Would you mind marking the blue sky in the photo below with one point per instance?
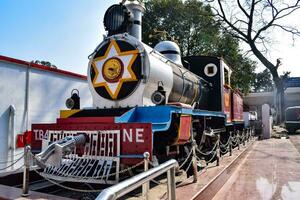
(65, 32)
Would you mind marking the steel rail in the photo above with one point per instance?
(131, 184)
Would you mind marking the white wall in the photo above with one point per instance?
(48, 92)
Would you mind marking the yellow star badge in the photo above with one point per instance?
(114, 68)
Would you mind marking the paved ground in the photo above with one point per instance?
(186, 189)
(295, 139)
(270, 171)
(191, 190)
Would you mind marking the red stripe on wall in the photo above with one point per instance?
(42, 67)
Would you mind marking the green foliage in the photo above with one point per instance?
(243, 68)
(189, 22)
(191, 25)
(263, 82)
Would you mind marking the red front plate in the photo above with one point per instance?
(135, 138)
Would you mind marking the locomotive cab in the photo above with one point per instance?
(222, 97)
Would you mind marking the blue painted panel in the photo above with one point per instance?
(161, 116)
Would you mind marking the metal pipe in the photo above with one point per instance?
(244, 136)
(26, 171)
(55, 151)
(11, 132)
(131, 184)
(137, 9)
(218, 151)
(171, 184)
(195, 171)
(230, 143)
(26, 103)
(238, 138)
(145, 189)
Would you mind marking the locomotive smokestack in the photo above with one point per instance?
(137, 9)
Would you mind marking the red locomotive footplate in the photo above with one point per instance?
(134, 138)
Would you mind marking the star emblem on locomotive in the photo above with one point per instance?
(114, 68)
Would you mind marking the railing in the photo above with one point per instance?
(131, 184)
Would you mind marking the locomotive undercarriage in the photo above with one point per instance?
(210, 139)
(205, 134)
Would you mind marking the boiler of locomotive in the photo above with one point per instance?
(125, 72)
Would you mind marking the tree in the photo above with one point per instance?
(243, 68)
(263, 82)
(251, 22)
(189, 22)
(45, 63)
(192, 25)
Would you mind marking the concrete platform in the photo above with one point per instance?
(7, 192)
(295, 139)
(185, 188)
(271, 170)
(213, 178)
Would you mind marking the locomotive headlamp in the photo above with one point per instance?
(116, 19)
(70, 103)
(159, 96)
(74, 101)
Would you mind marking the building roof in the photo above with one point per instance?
(292, 94)
(41, 67)
(292, 82)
